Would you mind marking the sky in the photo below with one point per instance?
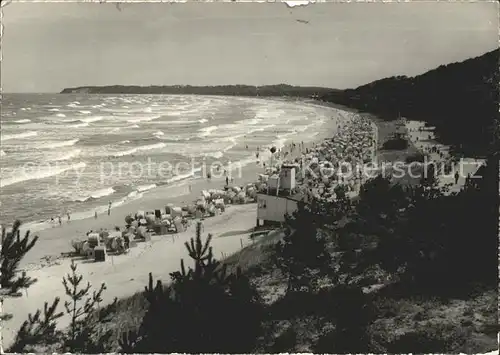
(49, 46)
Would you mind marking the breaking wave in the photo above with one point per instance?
(40, 173)
(7, 137)
(138, 149)
(97, 194)
(59, 144)
(67, 156)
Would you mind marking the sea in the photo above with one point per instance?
(77, 153)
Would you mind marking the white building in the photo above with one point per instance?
(287, 176)
(272, 208)
(278, 200)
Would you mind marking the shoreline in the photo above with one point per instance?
(127, 274)
(56, 239)
(86, 211)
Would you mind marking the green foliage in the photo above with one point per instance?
(302, 254)
(13, 250)
(82, 335)
(204, 309)
(397, 143)
(459, 99)
(38, 329)
(78, 338)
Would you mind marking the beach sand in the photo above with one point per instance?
(125, 275)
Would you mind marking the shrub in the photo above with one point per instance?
(203, 310)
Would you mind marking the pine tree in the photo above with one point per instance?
(80, 336)
(13, 250)
(38, 329)
(204, 309)
(302, 255)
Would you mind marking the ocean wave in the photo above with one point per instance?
(183, 176)
(59, 144)
(134, 194)
(216, 155)
(132, 126)
(138, 149)
(25, 120)
(91, 119)
(250, 121)
(158, 133)
(67, 156)
(96, 194)
(178, 122)
(143, 119)
(2, 153)
(169, 138)
(203, 120)
(42, 173)
(60, 115)
(124, 142)
(143, 188)
(7, 137)
(54, 110)
(78, 125)
(85, 112)
(206, 131)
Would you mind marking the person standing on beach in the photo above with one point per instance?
(227, 181)
(69, 217)
(95, 214)
(109, 208)
(59, 219)
(456, 177)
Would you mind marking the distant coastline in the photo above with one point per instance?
(226, 90)
(459, 99)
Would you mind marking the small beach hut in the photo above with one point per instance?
(139, 215)
(176, 212)
(150, 218)
(93, 239)
(179, 226)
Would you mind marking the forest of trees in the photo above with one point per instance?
(459, 99)
(426, 243)
(225, 90)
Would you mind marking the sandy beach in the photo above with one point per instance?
(126, 274)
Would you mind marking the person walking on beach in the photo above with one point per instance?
(59, 219)
(227, 181)
(109, 208)
(69, 216)
(456, 178)
(95, 214)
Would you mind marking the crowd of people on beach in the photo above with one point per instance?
(321, 164)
